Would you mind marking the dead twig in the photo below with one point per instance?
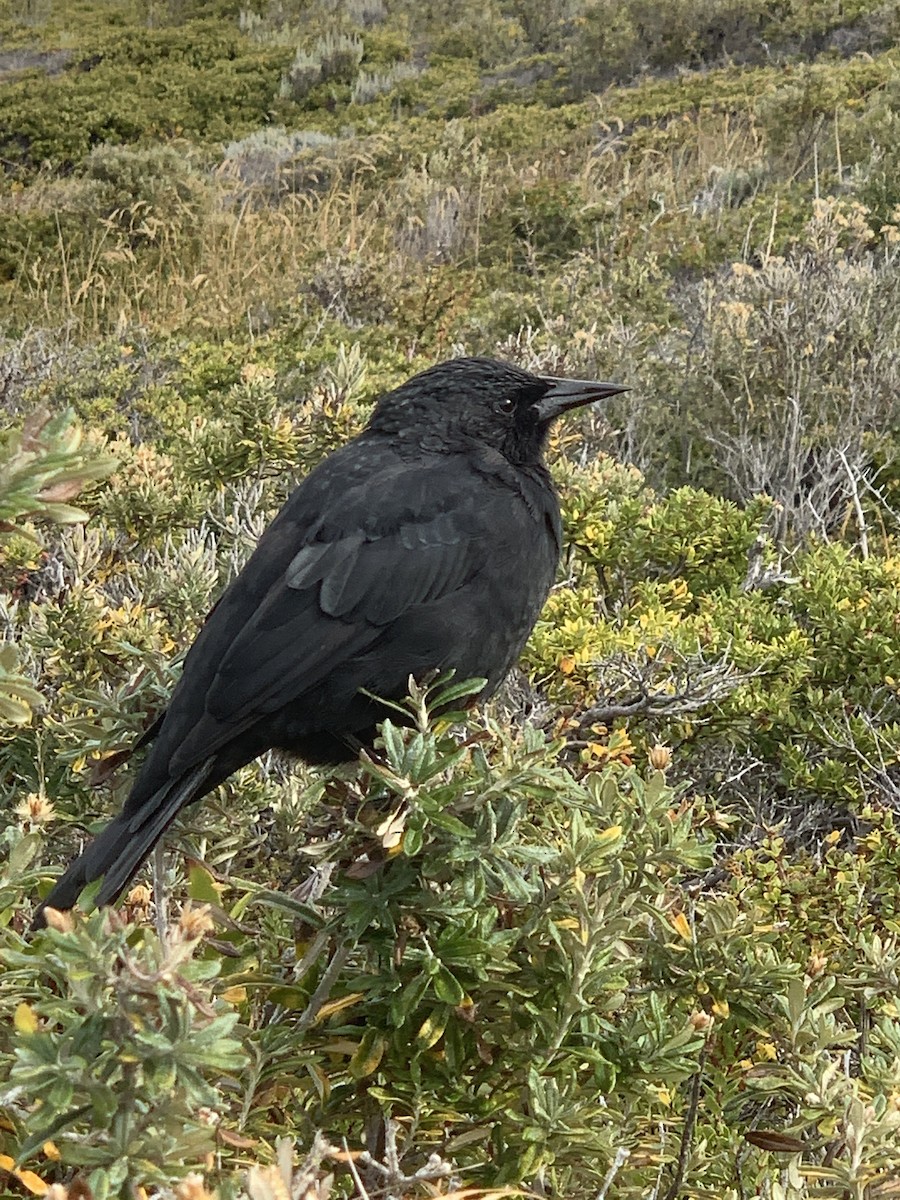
(668, 684)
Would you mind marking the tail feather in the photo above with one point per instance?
(122, 846)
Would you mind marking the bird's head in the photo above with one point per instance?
(483, 400)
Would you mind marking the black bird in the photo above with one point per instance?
(429, 542)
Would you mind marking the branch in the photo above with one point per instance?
(669, 685)
(857, 507)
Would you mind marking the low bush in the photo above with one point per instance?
(198, 81)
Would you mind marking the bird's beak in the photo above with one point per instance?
(563, 394)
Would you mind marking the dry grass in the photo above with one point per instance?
(243, 254)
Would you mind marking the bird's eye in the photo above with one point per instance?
(507, 405)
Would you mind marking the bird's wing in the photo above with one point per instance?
(336, 568)
(333, 601)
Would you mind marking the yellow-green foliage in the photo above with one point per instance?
(635, 936)
(201, 80)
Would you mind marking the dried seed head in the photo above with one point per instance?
(35, 809)
(139, 896)
(136, 906)
(816, 964)
(195, 922)
(62, 922)
(659, 757)
(192, 1187)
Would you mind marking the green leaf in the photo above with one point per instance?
(447, 987)
(368, 1054)
(202, 885)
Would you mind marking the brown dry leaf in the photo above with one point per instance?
(33, 428)
(79, 1189)
(363, 868)
(104, 767)
(58, 493)
(229, 1138)
(771, 1139)
(343, 1156)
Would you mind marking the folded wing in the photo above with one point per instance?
(317, 594)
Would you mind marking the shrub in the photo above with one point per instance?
(273, 161)
(197, 81)
(42, 468)
(790, 389)
(616, 41)
(121, 1054)
(418, 1003)
(512, 951)
(370, 84)
(334, 58)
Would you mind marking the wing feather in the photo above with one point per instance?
(298, 636)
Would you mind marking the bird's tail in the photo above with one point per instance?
(122, 846)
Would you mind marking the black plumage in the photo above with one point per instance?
(429, 542)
